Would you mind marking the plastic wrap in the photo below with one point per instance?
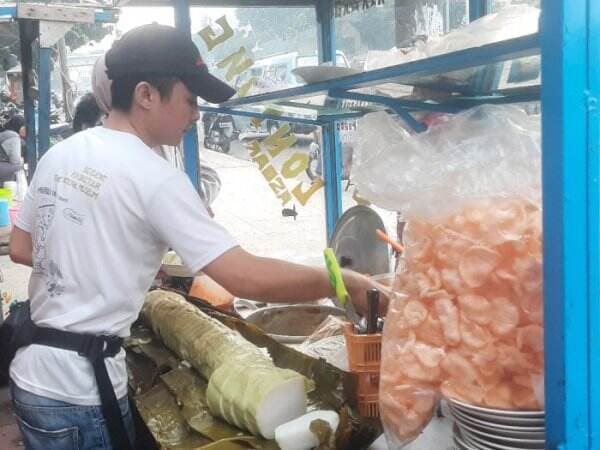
(327, 342)
(510, 22)
(483, 152)
(469, 322)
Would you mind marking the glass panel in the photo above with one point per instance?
(263, 164)
(256, 49)
(397, 24)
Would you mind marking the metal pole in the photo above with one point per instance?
(332, 148)
(477, 9)
(570, 143)
(191, 156)
(332, 170)
(28, 33)
(44, 100)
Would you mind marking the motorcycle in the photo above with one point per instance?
(219, 132)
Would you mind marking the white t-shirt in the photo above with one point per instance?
(102, 209)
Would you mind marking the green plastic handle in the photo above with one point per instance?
(335, 276)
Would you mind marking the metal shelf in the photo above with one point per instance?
(409, 74)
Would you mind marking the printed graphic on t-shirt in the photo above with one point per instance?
(45, 216)
(54, 280)
(73, 216)
(88, 181)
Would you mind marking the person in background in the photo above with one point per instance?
(87, 113)
(210, 183)
(11, 160)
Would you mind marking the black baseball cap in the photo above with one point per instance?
(160, 50)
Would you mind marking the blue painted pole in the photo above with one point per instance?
(44, 100)
(332, 170)
(593, 106)
(190, 140)
(570, 202)
(477, 9)
(27, 34)
(332, 151)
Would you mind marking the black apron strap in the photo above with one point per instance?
(96, 349)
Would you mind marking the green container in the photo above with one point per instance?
(6, 194)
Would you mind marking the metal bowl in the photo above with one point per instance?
(292, 324)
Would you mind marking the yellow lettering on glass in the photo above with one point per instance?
(211, 39)
(244, 88)
(262, 160)
(279, 142)
(285, 197)
(303, 196)
(269, 173)
(253, 148)
(237, 62)
(295, 165)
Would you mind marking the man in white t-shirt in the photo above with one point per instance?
(100, 213)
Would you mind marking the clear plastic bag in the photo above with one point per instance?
(328, 342)
(468, 324)
(483, 152)
(510, 22)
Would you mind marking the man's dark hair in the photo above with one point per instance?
(122, 89)
(14, 123)
(87, 113)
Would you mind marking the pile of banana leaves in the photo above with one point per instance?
(170, 395)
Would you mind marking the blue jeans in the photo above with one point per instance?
(48, 424)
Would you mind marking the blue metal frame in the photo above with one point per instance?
(190, 140)
(332, 147)
(570, 177)
(472, 57)
(332, 171)
(44, 100)
(394, 104)
(593, 216)
(106, 16)
(477, 9)
(28, 33)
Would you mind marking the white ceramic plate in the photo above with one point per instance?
(480, 444)
(531, 432)
(496, 412)
(464, 443)
(503, 420)
(314, 74)
(492, 440)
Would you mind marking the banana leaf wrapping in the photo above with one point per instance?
(244, 385)
(333, 389)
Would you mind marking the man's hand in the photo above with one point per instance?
(358, 285)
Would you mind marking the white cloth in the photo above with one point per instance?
(102, 209)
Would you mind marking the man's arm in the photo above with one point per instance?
(265, 279)
(20, 247)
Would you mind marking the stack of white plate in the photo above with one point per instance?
(478, 428)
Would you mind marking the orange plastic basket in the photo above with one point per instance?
(368, 383)
(368, 405)
(364, 350)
